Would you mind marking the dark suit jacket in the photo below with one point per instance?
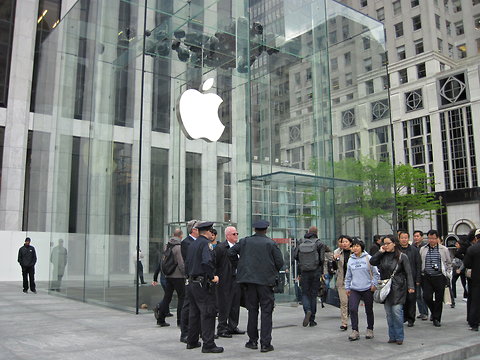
(223, 266)
(472, 261)
(260, 260)
(184, 246)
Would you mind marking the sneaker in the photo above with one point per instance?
(419, 316)
(354, 336)
(465, 299)
(424, 317)
(369, 334)
(306, 319)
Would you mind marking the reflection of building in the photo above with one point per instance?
(101, 160)
(433, 49)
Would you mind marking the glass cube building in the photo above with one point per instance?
(119, 161)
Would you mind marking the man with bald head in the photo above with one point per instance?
(228, 290)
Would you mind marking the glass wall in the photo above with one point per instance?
(125, 162)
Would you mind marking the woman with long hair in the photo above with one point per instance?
(341, 255)
(392, 263)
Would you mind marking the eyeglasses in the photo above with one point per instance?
(387, 243)
(234, 233)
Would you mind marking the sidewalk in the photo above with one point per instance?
(50, 327)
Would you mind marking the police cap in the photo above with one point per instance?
(204, 225)
(261, 224)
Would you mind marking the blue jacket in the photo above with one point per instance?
(361, 275)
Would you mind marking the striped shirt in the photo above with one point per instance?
(433, 261)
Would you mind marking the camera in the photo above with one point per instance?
(435, 267)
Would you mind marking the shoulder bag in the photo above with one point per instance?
(384, 286)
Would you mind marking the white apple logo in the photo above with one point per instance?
(198, 113)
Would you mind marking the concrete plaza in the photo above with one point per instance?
(44, 326)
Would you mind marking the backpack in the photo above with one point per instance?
(169, 264)
(308, 255)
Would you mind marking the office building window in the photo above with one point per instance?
(348, 118)
(453, 89)
(421, 70)
(437, 21)
(450, 50)
(457, 6)
(398, 29)
(476, 21)
(367, 63)
(403, 76)
(440, 44)
(335, 84)
(448, 25)
(397, 7)
(349, 146)
(419, 46)
(462, 51)
(417, 22)
(385, 82)
(401, 52)
(379, 143)
(363, 3)
(478, 46)
(345, 31)
(369, 87)
(414, 100)
(348, 79)
(459, 30)
(7, 20)
(380, 109)
(332, 37)
(333, 64)
(366, 43)
(348, 58)
(381, 14)
(414, 3)
(296, 158)
(417, 142)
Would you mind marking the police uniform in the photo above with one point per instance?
(200, 268)
(259, 262)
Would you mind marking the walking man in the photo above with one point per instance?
(27, 258)
(310, 255)
(259, 261)
(436, 271)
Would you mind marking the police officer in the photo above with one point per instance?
(259, 261)
(200, 269)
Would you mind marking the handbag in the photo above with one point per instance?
(447, 299)
(383, 288)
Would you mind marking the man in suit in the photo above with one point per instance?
(259, 261)
(228, 290)
(471, 261)
(185, 244)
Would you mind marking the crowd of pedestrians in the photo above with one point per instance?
(214, 279)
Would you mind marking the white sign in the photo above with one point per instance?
(198, 113)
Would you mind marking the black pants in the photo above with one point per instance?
(228, 300)
(185, 312)
(140, 271)
(409, 308)
(310, 284)
(177, 284)
(463, 279)
(28, 273)
(434, 285)
(473, 305)
(202, 315)
(259, 296)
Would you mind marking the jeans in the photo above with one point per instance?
(422, 307)
(310, 284)
(354, 301)
(395, 321)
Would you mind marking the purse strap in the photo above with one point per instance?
(369, 268)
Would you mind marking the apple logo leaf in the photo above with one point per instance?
(207, 85)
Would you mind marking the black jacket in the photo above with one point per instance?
(402, 281)
(184, 246)
(260, 260)
(224, 268)
(415, 262)
(471, 261)
(27, 256)
(200, 259)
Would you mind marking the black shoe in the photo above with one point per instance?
(224, 335)
(436, 323)
(143, 283)
(473, 328)
(34, 291)
(452, 305)
(343, 327)
(194, 346)
(156, 312)
(252, 345)
(266, 348)
(162, 323)
(237, 331)
(306, 319)
(25, 291)
(410, 324)
(169, 315)
(312, 323)
(183, 339)
(214, 350)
